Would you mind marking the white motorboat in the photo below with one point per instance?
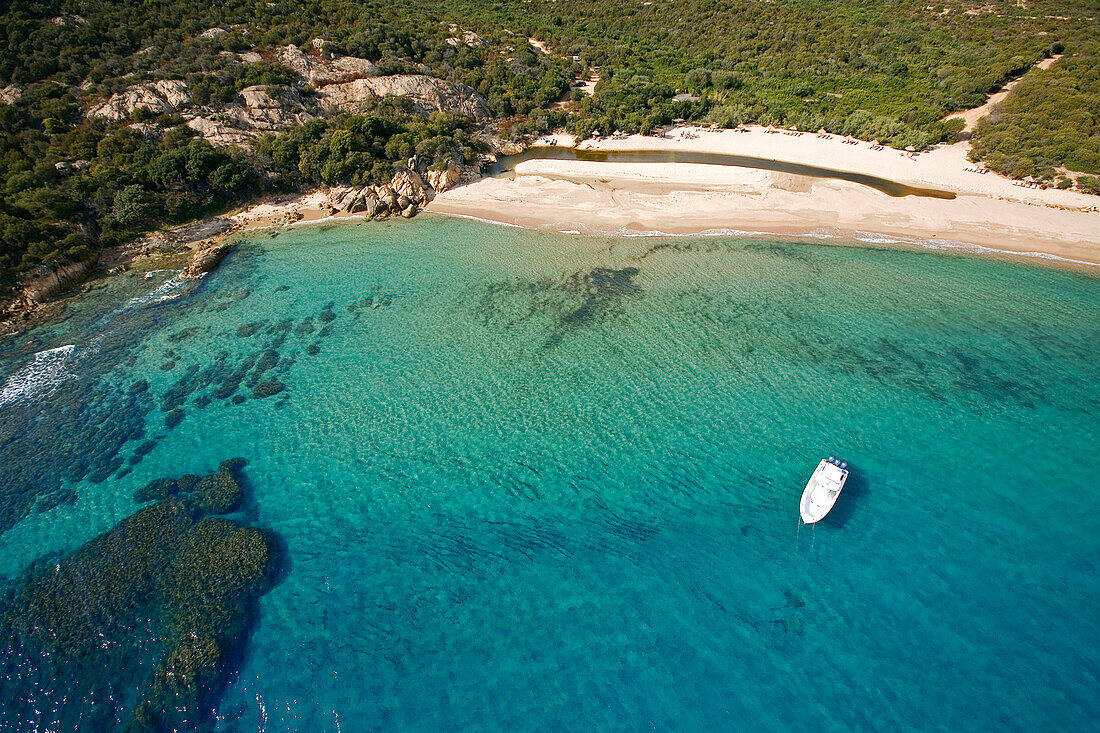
(822, 489)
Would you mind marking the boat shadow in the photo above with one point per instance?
(848, 503)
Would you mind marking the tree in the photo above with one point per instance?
(134, 205)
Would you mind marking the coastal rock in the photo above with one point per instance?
(325, 67)
(500, 146)
(410, 185)
(205, 260)
(452, 176)
(343, 199)
(406, 193)
(167, 95)
(44, 283)
(427, 94)
(358, 200)
(372, 205)
(388, 196)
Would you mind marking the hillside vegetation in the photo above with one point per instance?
(1050, 121)
(888, 71)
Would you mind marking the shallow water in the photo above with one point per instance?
(531, 481)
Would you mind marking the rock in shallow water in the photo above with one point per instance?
(267, 389)
(140, 624)
(218, 493)
(173, 418)
(155, 490)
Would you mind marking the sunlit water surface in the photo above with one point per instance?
(539, 482)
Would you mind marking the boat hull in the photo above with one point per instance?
(822, 491)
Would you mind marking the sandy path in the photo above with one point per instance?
(971, 116)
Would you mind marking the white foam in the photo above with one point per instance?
(475, 218)
(841, 236)
(43, 375)
(168, 290)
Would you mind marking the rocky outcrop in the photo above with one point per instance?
(452, 176)
(468, 38)
(323, 66)
(405, 194)
(409, 187)
(426, 93)
(43, 284)
(10, 94)
(221, 134)
(499, 146)
(206, 259)
(167, 95)
(262, 109)
(149, 130)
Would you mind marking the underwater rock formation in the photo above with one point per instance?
(267, 389)
(217, 493)
(139, 628)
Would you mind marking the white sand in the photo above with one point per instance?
(989, 211)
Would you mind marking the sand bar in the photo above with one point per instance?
(989, 211)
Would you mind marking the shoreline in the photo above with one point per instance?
(840, 238)
(917, 241)
(991, 215)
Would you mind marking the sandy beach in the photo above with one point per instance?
(989, 212)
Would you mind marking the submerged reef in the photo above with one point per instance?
(140, 628)
(553, 309)
(218, 493)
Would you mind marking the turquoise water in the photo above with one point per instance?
(538, 482)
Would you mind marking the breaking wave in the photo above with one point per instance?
(48, 370)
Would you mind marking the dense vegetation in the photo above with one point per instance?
(886, 71)
(1050, 121)
(877, 70)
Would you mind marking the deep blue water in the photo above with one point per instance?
(539, 482)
